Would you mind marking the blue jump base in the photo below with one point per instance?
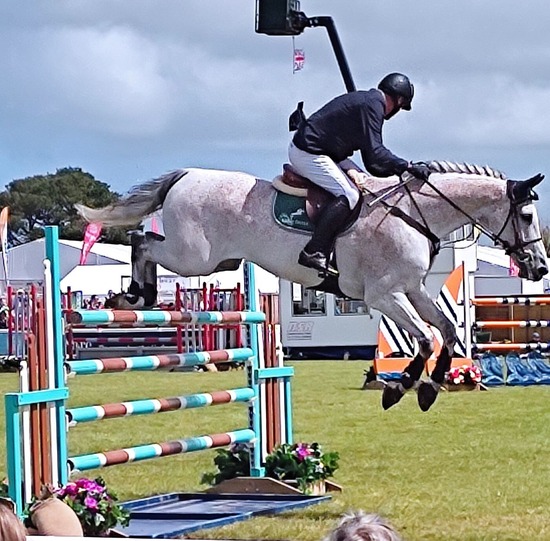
(170, 515)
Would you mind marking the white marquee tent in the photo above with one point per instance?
(108, 267)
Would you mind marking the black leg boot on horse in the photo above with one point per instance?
(316, 254)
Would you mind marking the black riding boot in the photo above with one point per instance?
(317, 251)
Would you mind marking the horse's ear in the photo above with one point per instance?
(522, 190)
(534, 181)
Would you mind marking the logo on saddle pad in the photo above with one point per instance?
(290, 211)
(298, 201)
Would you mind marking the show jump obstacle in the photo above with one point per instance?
(487, 326)
(38, 420)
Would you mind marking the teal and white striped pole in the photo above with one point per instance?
(255, 408)
(154, 450)
(59, 447)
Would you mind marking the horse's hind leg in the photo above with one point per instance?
(150, 291)
(144, 271)
(430, 312)
(399, 308)
(142, 292)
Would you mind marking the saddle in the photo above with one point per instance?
(292, 183)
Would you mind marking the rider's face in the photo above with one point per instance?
(392, 107)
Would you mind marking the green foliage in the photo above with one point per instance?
(302, 462)
(306, 463)
(231, 463)
(49, 199)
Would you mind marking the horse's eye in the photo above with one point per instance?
(527, 218)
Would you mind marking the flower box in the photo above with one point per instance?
(303, 465)
(268, 485)
(452, 387)
(468, 376)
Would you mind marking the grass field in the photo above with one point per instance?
(476, 467)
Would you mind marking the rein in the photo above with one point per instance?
(424, 229)
(496, 238)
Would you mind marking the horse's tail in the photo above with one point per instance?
(140, 201)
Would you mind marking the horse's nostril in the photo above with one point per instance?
(543, 269)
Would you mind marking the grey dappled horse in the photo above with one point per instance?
(213, 219)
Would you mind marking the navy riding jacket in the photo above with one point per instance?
(348, 123)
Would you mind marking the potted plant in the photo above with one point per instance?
(305, 465)
(465, 376)
(91, 501)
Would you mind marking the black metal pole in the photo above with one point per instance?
(328, 23)
(299, 21)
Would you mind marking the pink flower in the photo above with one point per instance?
(90, 503)
(89, 485)
(302, 451)
(70, 490)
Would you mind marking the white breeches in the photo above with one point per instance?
(324, 172)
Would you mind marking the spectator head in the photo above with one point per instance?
(20, 291)
(359, 526)
(11, 528)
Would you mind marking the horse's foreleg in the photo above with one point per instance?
(430, 312)
(399, 308)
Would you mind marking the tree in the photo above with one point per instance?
(49, 199)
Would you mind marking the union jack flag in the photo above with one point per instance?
(299, 59)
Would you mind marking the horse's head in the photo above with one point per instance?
(521, 235)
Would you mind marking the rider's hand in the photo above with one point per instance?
(359, 178)
(419, 170)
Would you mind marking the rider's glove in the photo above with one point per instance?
(419, 170)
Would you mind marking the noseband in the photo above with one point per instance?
(513, 215)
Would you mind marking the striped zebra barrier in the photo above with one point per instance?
(37, 419)
(396, 346)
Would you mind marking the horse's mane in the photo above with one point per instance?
(442, 166)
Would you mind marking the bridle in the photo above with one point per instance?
(513, 216)
(526, 196)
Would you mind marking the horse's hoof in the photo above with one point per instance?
(125, 301)
(392, 394)
(427, 393)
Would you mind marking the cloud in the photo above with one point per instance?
(130, 88)
(105, 80)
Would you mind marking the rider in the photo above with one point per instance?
(321, 145)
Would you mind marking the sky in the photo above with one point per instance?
(130, 89)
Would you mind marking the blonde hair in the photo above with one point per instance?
(11, 528)
(359, 526)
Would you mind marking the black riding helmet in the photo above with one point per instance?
(398, 85)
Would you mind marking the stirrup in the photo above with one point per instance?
(317, 261)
